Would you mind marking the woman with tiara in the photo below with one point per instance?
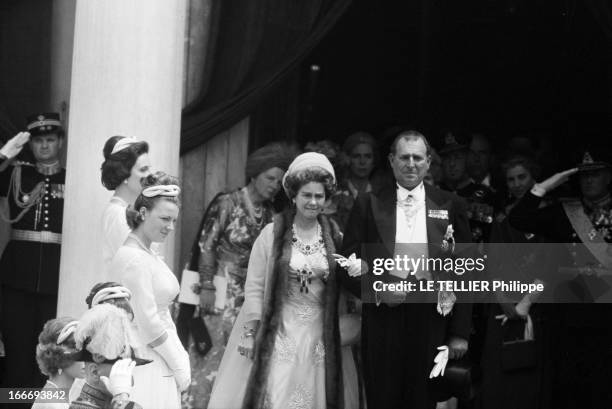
(57, 355)
(126, 163)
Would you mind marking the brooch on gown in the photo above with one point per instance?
(304, 277)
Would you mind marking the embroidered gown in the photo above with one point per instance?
(297, 371)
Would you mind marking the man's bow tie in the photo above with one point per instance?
(408, 201)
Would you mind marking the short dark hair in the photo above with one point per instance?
(132, 214)
(410, 135)
(118, 166)
(122, 303)
(49, 355)
(521, 160)
(295, 181)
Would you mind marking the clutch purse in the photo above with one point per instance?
(518, 354)
(200, 334)
(517, 350)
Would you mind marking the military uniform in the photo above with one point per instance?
(480, 198)
(29, 266)
(481, 201)
(583, 343)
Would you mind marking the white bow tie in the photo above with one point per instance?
(410, 206)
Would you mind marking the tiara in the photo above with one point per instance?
(161, 190)
(110, 293)
(123, 143)
(66, 331)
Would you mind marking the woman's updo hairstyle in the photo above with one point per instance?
(295, 181)
(118, 166)
(132, 214)
(123, 303)
(50, 355)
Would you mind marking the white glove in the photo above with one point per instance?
(540, 189)
(14, 145)
(120, 379)
(440, 362)
(177, 360)
(354, 266)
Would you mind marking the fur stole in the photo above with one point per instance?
(266, 335)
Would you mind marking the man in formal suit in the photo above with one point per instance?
(583, 283)
(402, 331)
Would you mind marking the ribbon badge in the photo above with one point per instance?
(438, 214)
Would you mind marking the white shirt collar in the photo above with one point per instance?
(418, 192)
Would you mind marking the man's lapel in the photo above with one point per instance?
(384, 211)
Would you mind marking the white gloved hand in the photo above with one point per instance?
(440, 362)
(14, 145)
(120, 378)
(177, 360)
(354, 266)
(553, 182)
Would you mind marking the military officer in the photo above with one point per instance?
(584, 226)
(29, 267)
(456, 179)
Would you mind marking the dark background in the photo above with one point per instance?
(539, 68)
(536, 68)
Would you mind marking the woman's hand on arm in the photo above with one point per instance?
(246, 346)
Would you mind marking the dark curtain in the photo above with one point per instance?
(602, 11)
(253, 45)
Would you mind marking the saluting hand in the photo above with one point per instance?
(556, 180)
(15, 145)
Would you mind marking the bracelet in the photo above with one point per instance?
(248, 332)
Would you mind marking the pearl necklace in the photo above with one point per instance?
(140, 243)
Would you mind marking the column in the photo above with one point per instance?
(127, 72)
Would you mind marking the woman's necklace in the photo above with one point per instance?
(140, 243)
(256, 212)
(307, 248)
(52, 384)
(304, 275)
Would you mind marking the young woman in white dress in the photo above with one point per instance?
(153, 287)
(126, 162)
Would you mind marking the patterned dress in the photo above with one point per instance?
(225, 246)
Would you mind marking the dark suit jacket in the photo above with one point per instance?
(399, 342)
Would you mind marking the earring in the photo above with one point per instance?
(59, 371)
(125, 181)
